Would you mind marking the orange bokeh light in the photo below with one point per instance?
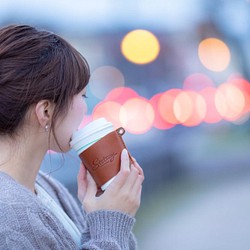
(189, 108)
(121, 95)
(244, 86)
(229, 101)
(214, 54)
(138, 117)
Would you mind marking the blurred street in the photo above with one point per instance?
(213, 215)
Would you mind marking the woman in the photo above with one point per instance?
(42, 88)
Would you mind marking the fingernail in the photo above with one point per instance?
(124, 152)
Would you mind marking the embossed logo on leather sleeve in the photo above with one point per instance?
(100, 162)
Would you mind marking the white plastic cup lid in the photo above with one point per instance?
(91, 133)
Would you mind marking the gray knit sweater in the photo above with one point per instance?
(25, 223)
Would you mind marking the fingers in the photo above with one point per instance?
(124, 170)
(137, 187)
(81, 174)
(128, 174)
(81, 182)
(91, 187)
(135, 163)
(123, 194)
(132, 177)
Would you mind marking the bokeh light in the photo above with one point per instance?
(229, 101)
(86, 119)
(197, 81)
(159, 122)
(111, 111)
(139, 115)
(121, 94)
(212, 115)
(140, 46)
(182, 107)
(244, 86)
(214, 54)
(189, 108)
(166, 104)
(104, 79)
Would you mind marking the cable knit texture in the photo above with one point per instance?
(25, 223)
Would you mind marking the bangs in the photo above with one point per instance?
(74, 73)
(82, 72)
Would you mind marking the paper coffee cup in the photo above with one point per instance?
(91, 133)
(99, 147)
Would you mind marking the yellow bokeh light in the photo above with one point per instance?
(140, 46)
(214, 54)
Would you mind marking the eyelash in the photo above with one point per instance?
(84, 96)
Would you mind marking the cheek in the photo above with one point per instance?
(80, 111)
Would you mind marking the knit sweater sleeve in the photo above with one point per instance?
(109, 230)
(101, 230)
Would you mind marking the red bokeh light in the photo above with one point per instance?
(159, 122)
(165, 105)
(229, 101)
(212, 115)
(121, 95)
(189, 108)
(110, 110)
(197, 81)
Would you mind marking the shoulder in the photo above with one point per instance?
(12, 192)
(24, 221)
(16, 202)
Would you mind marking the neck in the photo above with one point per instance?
(21, 160)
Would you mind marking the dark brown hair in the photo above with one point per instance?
(36, 65)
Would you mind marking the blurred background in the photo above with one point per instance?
(175, 75)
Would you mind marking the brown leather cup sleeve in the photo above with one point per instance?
(103, 159)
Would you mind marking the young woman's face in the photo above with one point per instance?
(66, 125)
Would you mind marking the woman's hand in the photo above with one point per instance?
(123, 194)
(82, 182)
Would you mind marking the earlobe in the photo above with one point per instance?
(44, 111)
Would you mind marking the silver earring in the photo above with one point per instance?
(46, 128)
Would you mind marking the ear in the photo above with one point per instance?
(44, 110)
